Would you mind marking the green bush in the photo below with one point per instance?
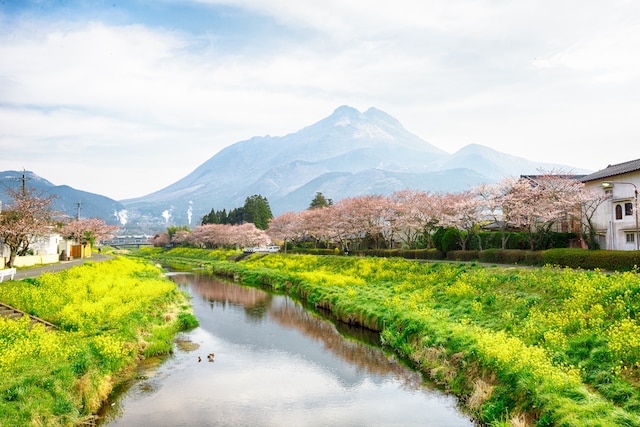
(511, 256)
(519, 240)
(450, 240)
(434, 254)
(463, 255)
(313, 251)
(600, 259)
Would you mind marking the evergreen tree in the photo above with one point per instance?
(319, 201)
(210, 218)
(257, 210)
(236, 217)
(215, 217)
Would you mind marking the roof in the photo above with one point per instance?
(613, 170)
(565, 176)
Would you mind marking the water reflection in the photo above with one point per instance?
(276, 364)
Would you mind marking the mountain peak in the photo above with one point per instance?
(345, 115)
(380, 116)
(345, 110)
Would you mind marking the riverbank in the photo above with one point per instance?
(109, 316)
(518, 346)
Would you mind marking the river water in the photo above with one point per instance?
(275, 364)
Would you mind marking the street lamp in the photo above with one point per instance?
(609, 184)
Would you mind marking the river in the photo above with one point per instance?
(275, 364)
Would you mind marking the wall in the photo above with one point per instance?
(31, 260)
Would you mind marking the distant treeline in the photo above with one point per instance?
(256, 210)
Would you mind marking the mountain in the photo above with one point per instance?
(346, 154)
(65, 198)
(493, 164)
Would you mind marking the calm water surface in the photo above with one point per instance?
(275, 364)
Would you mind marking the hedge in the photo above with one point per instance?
(589, 260)
(565, 257)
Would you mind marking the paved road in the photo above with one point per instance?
(62, 265)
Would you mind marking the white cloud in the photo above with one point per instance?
(539, 79)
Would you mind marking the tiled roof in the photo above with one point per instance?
(613, 170)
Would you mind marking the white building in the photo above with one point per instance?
(616, 220)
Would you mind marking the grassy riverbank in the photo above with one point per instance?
(518, 346)
(109, 315)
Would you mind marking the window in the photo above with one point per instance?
(628, 209)
(631, 237)
(618, 211)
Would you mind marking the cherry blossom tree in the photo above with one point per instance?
(496, 199)
(354, 218)
(339, 224)
(317, 224)
(285, 227)
(559, 198)
(418, 214)
(248, 235)
(87, 230)
(27, 217)
(536, 203)
(463, 210)
(209, 235)
(226, 235)
(383, 220)
(180, 237)
(160, 239)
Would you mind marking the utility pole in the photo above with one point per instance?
(24, 183)
(78, 214)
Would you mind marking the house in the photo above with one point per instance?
(43, 249)
(616, 220)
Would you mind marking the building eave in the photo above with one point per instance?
(613, 170)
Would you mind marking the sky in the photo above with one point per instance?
(123, 98)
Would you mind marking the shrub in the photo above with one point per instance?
(600, 259)
(450, 240)
(511, 256)
(463, 255)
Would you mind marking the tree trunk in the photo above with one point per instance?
(12, 257)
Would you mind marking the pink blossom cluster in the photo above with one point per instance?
(408, 216)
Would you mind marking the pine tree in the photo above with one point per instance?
(257, 210)
(319, 201)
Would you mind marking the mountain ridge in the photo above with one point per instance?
(345, 154)
(65, 199)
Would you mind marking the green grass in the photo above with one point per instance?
(556, 347)
(108, 314)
